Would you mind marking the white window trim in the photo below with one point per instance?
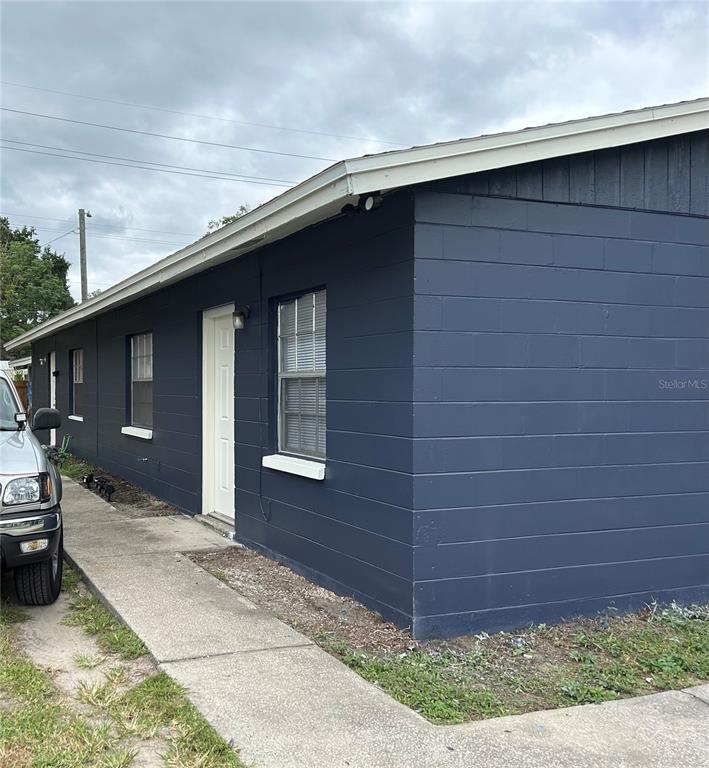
(294, 465)
(281, 376)
(74, 382)
(141, 432)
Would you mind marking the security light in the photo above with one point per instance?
(370, 202)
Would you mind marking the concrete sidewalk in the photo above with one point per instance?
(287, 704)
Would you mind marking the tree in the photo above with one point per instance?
(33, 284)
(217, 223)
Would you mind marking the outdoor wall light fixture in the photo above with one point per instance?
(365, 204)
(370, 202)
(240, 317)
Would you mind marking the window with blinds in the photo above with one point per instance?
(301, 375)
(76, 406)
(141, 361)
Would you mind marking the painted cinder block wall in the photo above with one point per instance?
(499, 450)
(558, 468)
(353, 531)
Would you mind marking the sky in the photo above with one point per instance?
(304, 83)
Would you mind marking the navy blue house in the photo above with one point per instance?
(467, 383)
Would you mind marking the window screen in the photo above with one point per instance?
(301, 375)
(141, 357)
(76, 406)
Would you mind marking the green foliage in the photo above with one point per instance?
(159, 702)
(33, 284)
(215, 224)
(584, 662)
(112, 636)
(433, 685)
(75, 468)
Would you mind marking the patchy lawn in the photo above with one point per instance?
(475, 677)
(127, 497)
(105, 706)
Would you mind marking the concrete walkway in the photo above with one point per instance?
(288, 704)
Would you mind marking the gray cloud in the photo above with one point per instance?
(412, 73)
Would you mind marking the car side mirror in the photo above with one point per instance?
(46, 418)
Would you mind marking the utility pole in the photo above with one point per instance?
(82, 253)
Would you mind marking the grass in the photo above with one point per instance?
(433, 684)
(73, 467)
(87, 612)
(581, 662)
(223, 576)
(158, 703)
(39, 728)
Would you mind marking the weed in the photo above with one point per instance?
(429, 684)
(10, 614)
(84, 661)
(223, 576)
(73, 467)
(112, 636)
(159, 702)
(70, 579)
(582, 662)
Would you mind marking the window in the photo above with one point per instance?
(8, 407)
(141, 394)
(301, 375)
(76, 394)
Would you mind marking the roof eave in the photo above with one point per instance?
(318, 198)
(438, 161)
(323, 195)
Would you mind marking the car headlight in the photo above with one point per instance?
(23, 490)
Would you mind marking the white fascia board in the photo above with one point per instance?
(423, 164)
(323, 195)
(318, 198)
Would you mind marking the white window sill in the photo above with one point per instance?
(315, 470)
(71, 417)
(141, 432)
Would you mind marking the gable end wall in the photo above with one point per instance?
(561, 407)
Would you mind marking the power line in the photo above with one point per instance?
(134, 239)
(202, 117)
(166, 135)
(70, 232)
(149, 162)
(119, 237)
(144, 167)
(96, 224)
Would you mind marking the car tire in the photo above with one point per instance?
(40, 583)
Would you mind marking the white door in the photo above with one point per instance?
(218, 412)
(52, 392)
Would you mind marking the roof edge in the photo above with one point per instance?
(323, 195)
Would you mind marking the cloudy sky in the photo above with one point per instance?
(313, 81)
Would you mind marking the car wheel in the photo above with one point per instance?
(40, 583)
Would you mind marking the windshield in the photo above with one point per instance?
(8, 406)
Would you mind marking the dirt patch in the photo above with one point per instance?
(126, 497)
(68, 701)
(586, 660)
(133, 501)
(313, 610)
